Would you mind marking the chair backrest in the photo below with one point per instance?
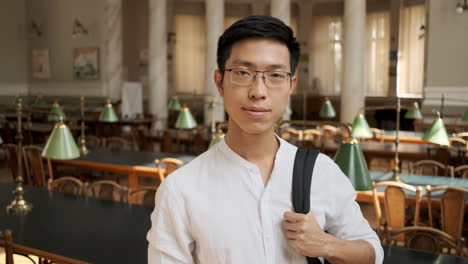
(395, 204)
(34, 165)
(116, 143)
(167, 144)
(144, 195)
(452, 205)
(463, 135)
(66, 184)
(457, 142)
(12, 159)
(425, 239)
(92, 142)
(377, 133)
(107, 190)
(461, 171)
(170, 165)
(6, 241)
(430, 167)
(292, 135)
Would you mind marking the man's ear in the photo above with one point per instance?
(218, 78)
(293, 84)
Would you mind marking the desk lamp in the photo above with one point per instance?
(108, 114)
(327, 111)
(56, 113)
(363, 130)
(185, 120)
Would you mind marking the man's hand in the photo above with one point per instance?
(305, 235)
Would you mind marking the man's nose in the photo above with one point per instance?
(259, 88)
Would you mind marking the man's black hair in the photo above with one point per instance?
(258, 27)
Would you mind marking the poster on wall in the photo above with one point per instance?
(40, 63)
(86, 63)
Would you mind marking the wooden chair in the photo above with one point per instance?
(462, 135)
(452, 209)
(395, 205)
(34, 165)
(461, 171)
(12, 161)
(170, 165)
(430, 167)
(116, 143)
(66, 184)
(92, 142)
(292, 135)
(144, 195)
(11, 249)
(107, 190)
(459, 147)
(425, 239)
(377, 133)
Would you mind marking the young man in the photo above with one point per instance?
(232, 204)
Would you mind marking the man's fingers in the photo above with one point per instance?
(296, 227)
(294, 217)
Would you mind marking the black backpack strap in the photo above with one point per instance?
(302, 179)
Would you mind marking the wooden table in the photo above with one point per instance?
(410, 137)
(100, 231)
(415, 180)
(130, 162)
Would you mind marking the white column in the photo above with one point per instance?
(214, 18)
(353, 90)
(281, 9)
(157, 59)
(113, 49)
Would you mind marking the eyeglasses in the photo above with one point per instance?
(272, 79)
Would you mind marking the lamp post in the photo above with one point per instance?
(83, 149)
(361, 128)
(19, 205)
(60, 145)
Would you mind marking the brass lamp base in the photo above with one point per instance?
(19, 206)
(396, 177)
(84, 150)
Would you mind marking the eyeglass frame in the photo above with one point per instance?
(289, 74)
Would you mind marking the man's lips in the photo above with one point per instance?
(256, 111)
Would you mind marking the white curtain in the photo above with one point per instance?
(189, 54)
(377, 53)
(410, 73)
(327, 50)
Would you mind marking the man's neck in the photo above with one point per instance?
(259, 149)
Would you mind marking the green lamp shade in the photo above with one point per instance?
(327, 110)
(350, 159)
(174, 104)
(1, 140)
(108, 114)
(39, 102)
(61, 144)
(217, 138)
(185, 119)
(361, 128)
(413, 112)
(437, 133)
(57, 113)
(465, 116)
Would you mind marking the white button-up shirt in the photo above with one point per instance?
(216, 209)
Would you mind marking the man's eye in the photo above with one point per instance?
(243, 73)
(277, 76)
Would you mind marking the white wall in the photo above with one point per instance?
(56, 18)
(447, 55)
(13, 66)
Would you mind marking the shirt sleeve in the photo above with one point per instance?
(169, 238)
(346, 220)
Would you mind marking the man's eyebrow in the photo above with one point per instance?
(239, 62)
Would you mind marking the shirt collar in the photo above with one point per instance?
(233, 156)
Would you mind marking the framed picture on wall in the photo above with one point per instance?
(86, 63)
(40, 63)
